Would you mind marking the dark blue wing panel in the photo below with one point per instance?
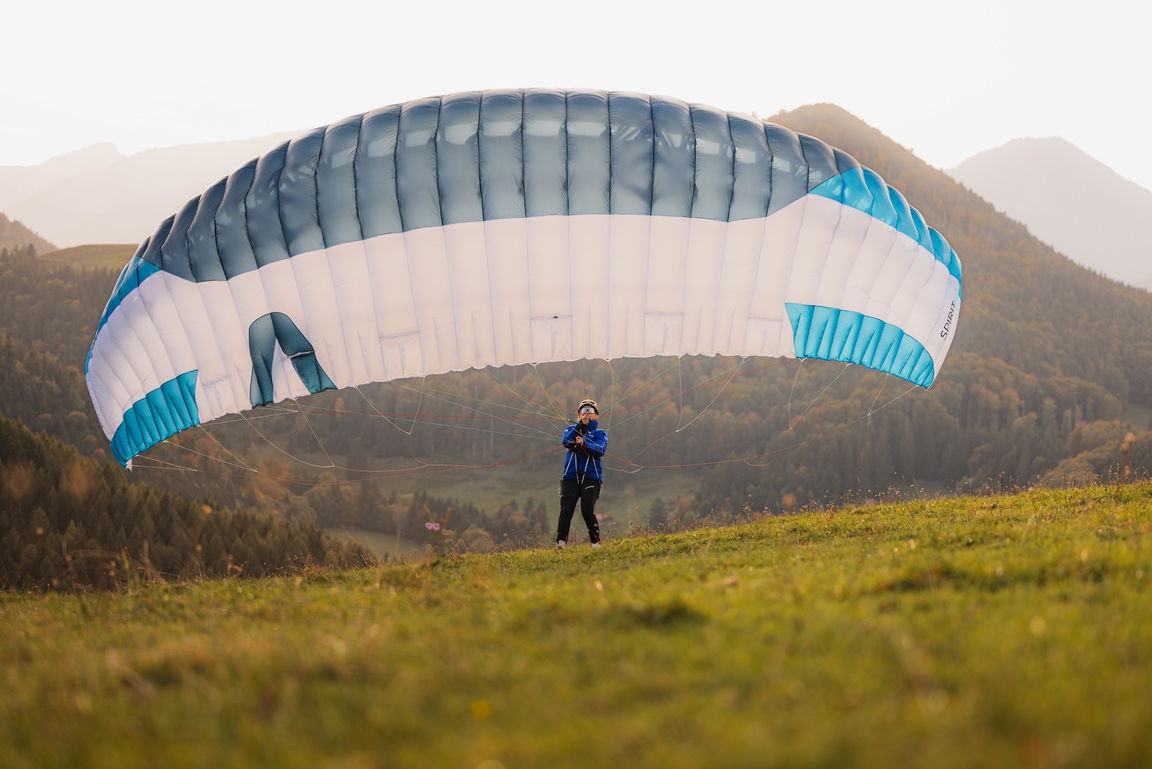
(493, 155)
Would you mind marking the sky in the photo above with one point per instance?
(945, 79)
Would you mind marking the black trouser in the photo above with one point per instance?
(572, 490)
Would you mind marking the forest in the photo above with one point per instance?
(1049, 382)
(70, 522)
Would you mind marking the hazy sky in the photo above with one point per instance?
(945, 79)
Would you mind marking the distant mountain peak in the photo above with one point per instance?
(103, 153)
(1069, 200)
(99, 195)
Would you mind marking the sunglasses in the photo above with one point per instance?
(587, 410)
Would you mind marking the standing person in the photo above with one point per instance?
(586, 444)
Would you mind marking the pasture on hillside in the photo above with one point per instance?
(1006, 631)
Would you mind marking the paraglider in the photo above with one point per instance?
(508, 227)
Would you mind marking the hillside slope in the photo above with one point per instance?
(976, 632)
(14, 235)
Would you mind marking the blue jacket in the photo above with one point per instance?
(583, 462)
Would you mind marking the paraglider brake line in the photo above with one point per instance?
(735, 373)
(793, 422)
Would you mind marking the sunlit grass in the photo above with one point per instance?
(974, 632)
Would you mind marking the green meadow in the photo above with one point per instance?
(1009, 631)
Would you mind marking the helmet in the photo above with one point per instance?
(588, 402)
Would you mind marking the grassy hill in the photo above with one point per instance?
(968, 632)
(112, 256)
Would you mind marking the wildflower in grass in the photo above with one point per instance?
(432, 526)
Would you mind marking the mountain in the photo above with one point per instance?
(19, 183)
(98, 195)
(1070, 201)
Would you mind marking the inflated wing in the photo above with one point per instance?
(508, 227)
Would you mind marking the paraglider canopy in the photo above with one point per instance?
(505, 227)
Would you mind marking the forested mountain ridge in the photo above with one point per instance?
(1050, 372)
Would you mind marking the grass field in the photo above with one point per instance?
(983, 632)
(626, 498)
(383, 546)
